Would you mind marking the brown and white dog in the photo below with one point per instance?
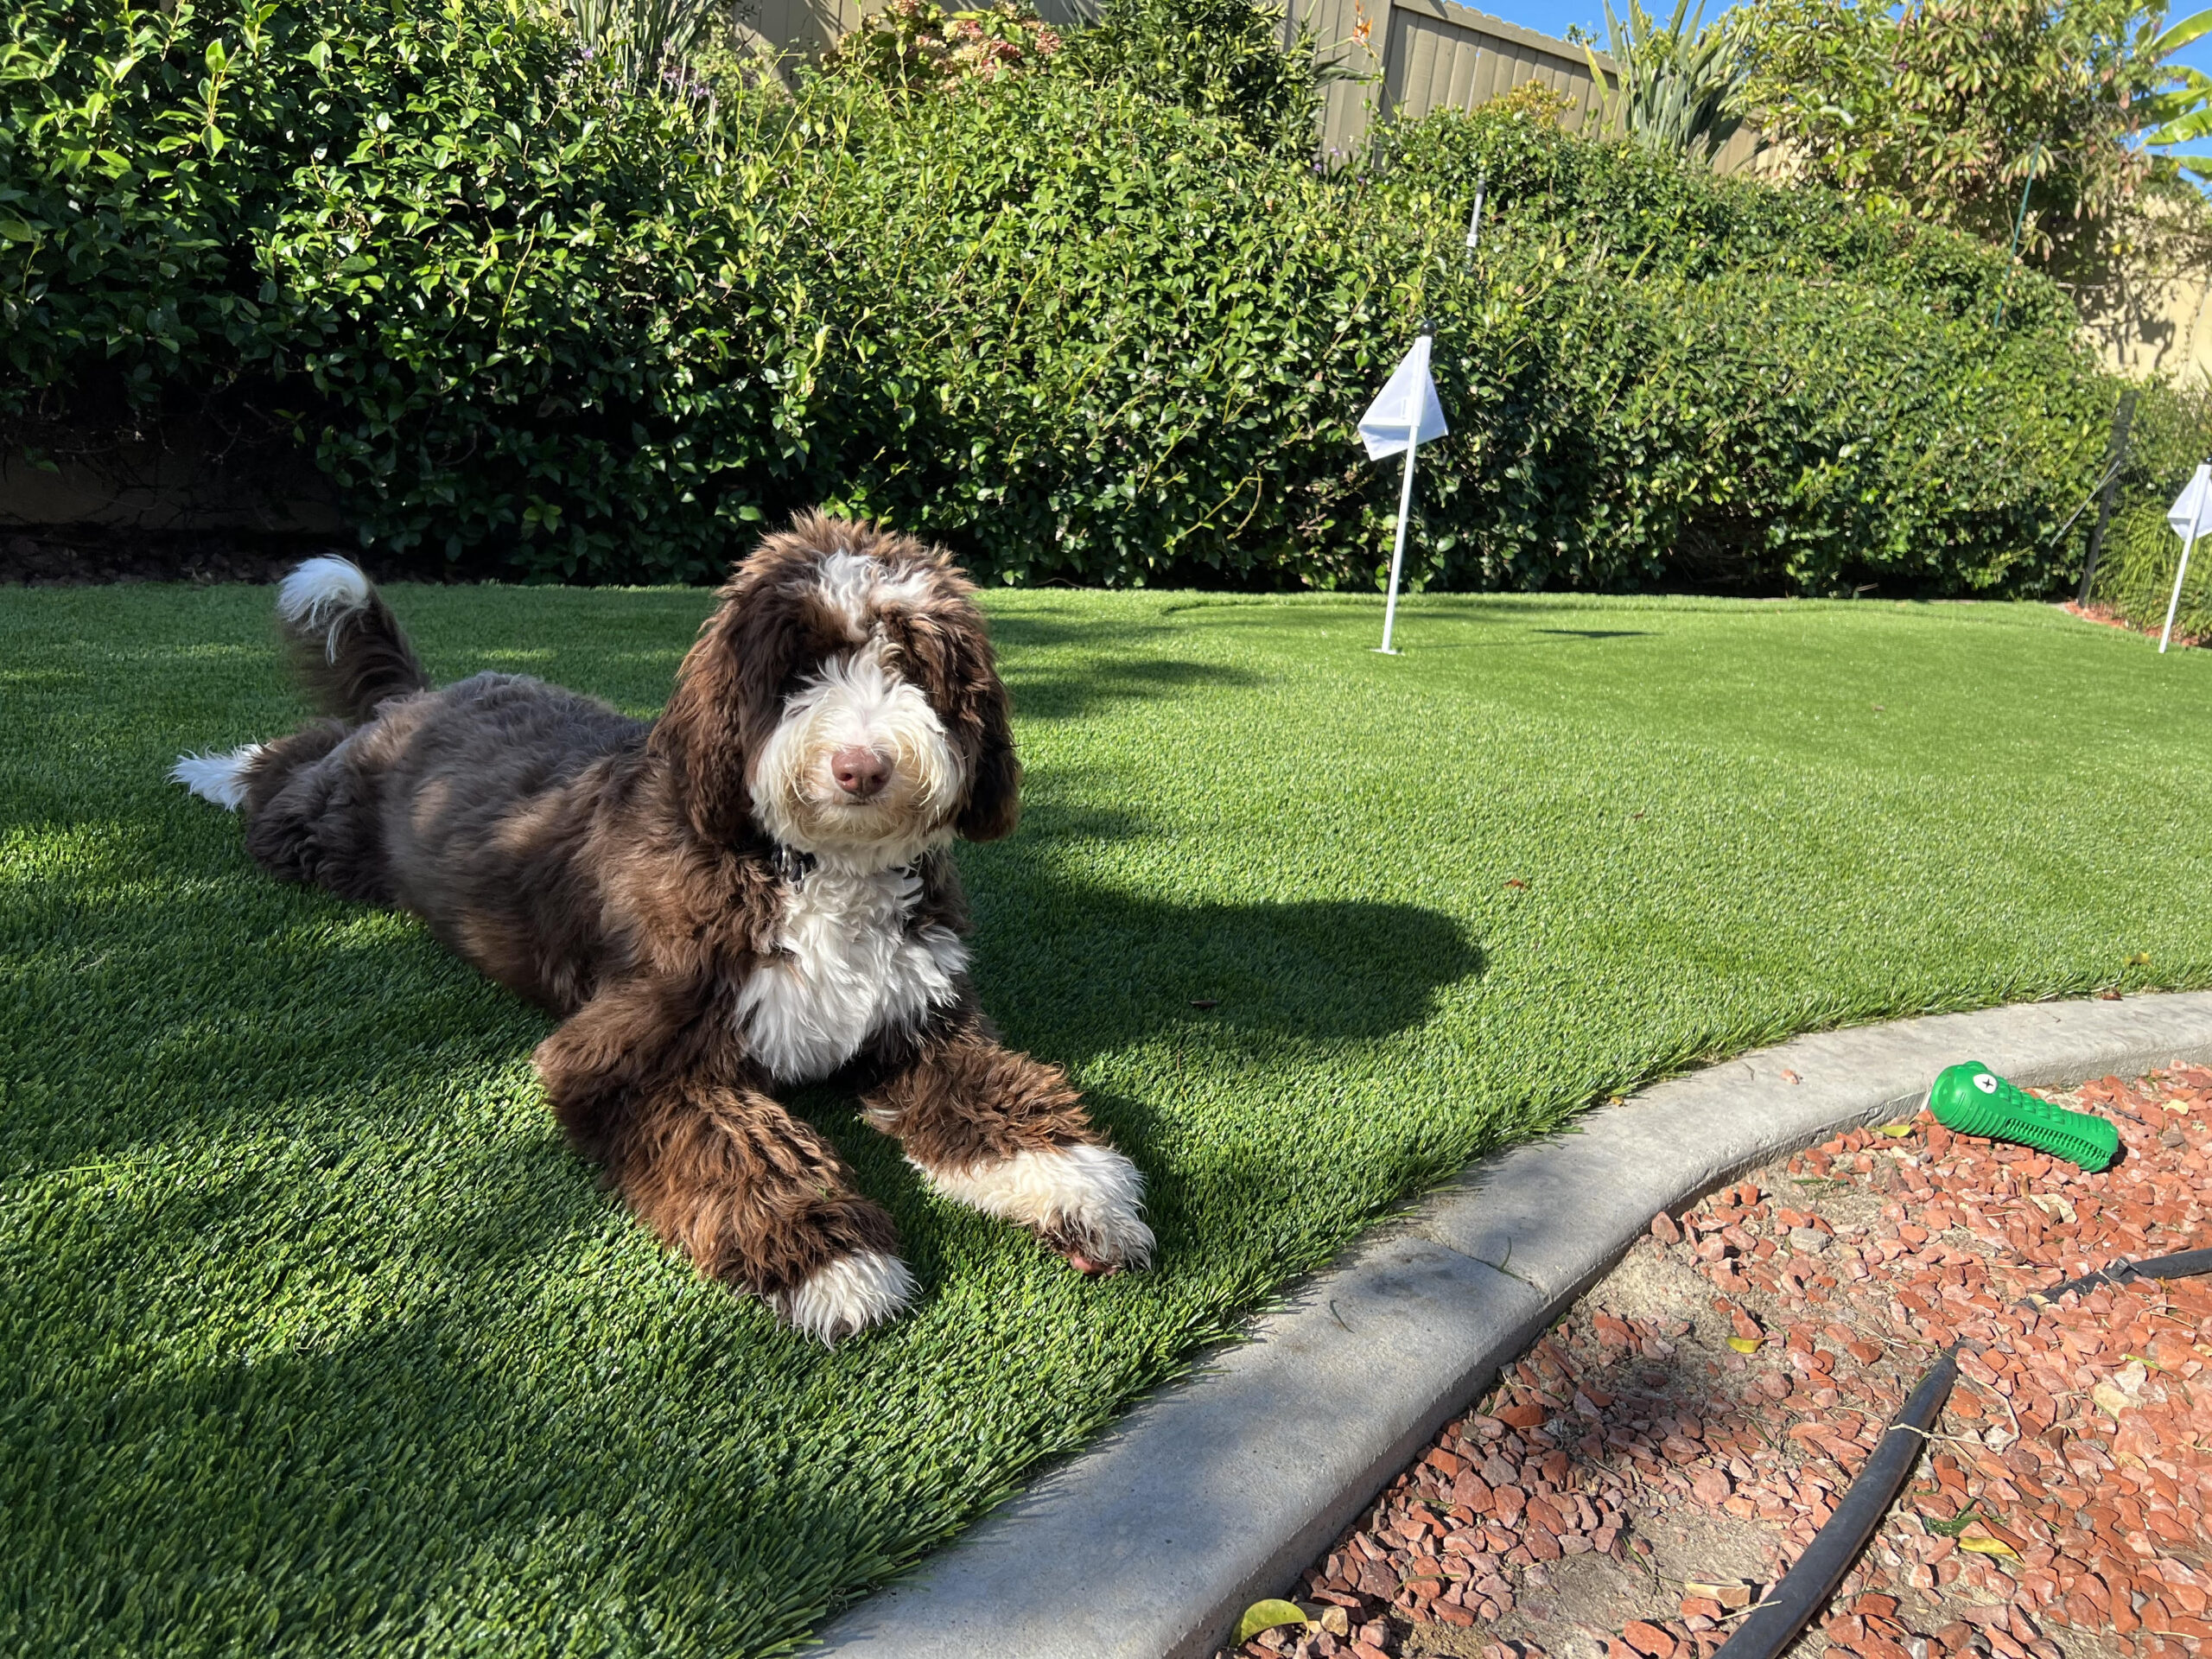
(753, 892)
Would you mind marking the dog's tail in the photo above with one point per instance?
(346, 645)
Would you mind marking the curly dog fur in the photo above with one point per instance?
(753, 892)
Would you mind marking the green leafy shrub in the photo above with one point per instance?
(1228, 59)
(1964, 110)
(498, 297)
(547, 328)
(1643, 212)
(911, 44)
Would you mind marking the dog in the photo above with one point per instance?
(754, 891)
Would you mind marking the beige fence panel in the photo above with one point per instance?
(1446, 56)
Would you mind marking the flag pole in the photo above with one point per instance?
(2196, 524)
(1405, 506)
(1398, 548)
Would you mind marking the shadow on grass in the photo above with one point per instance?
(376, 1488)
(1063, 694)
(457, 1413)
(1094, 970)
(138, 1027)
(1122, 661)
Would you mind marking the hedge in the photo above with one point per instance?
(546, 328)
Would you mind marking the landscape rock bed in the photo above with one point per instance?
(1658, 1459)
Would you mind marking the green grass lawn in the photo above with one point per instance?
(315, 1340)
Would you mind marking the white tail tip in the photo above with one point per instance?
(321, 591)
(219, 779)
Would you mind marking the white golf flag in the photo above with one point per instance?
(1408, 397)
(1404, 415)
(2189, 508)
(2188, 516)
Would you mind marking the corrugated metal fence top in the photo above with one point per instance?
(1498, 28)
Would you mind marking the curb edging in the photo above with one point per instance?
(1216, 1490)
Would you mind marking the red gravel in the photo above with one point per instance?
(2076, 1449)
(2112, 618)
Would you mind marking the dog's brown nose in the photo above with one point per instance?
(860, 773)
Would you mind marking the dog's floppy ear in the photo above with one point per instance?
(943, 637)
(943, 640)
(724, 706)
(993, 796)
(994, 803)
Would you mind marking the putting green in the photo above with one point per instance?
(315, 1340)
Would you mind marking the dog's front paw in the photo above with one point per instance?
(1082, 1200)
(848, 1295)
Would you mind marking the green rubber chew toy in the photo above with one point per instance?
(1971, 1099)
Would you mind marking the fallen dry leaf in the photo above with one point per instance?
(1733, 1594)
(1266, 1615)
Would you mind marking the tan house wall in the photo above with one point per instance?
(2153, 324)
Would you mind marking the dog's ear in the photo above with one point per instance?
(994, 803)
(724, 706)
(944, 642)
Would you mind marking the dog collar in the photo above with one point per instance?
(790, 865)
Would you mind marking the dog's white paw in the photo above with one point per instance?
(219, 778)
(1083, 1200)
(851, 1295)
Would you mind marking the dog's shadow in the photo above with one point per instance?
(1083, 971)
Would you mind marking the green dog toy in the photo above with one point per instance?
(1971, 1099)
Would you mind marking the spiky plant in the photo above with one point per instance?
(1672, 88)
(644, 40)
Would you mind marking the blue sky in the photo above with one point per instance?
(1552, 17)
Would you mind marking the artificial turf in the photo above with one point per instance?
(315, 1340)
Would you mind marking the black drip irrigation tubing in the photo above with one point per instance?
(2182, 1265)
(1805, 1589)
(1778, 1620)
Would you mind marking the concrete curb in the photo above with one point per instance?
(1217, 1489)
